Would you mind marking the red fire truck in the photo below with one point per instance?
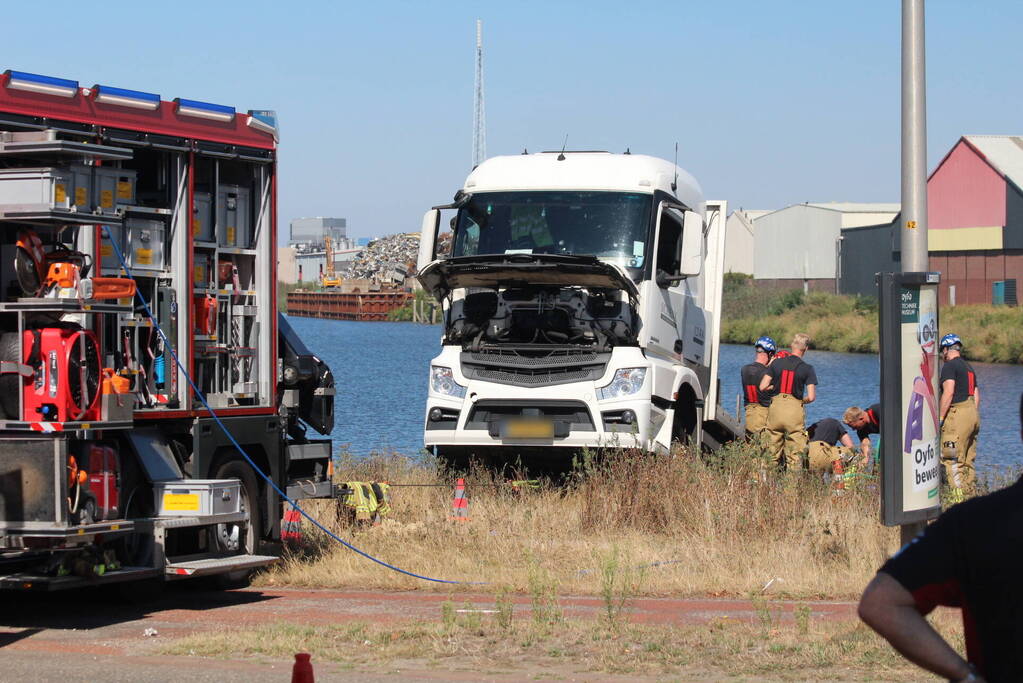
(154, 406)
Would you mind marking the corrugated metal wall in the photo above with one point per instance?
(797, 242)
(972, 273)
(739, 245)
(865, 252)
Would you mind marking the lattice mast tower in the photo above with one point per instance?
(479, 116)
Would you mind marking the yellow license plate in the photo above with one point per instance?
(529, 429)
(181, 502)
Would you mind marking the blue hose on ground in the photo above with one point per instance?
(170, 347)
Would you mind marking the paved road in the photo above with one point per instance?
(86, 636)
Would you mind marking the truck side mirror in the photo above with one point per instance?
(692, 244)
(428, 238)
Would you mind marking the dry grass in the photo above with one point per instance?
(486, 643)
(689, 526)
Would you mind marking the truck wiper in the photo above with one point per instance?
(524, 258)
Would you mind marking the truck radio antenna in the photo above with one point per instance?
(561, 156)
(674, 183)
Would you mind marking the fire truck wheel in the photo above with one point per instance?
(10, 382)
(237, 538)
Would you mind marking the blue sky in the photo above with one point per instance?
(771, 102)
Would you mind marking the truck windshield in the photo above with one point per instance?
(609, 225)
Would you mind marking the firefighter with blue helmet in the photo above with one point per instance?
(757, 401)
(960, 418)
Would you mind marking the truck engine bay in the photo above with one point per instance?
(595, 319)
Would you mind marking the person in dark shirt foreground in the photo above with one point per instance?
(972, 557)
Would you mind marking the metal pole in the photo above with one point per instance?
(914, 140)
(914, 161)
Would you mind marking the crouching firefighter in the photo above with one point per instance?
(830, 449)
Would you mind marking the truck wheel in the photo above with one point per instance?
(236, 538)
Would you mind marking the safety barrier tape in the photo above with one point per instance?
(216, 418)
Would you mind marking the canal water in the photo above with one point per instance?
(381, 373)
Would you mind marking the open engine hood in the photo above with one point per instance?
(519, 270)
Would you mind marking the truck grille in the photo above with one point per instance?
(534, 366)
(573, 414)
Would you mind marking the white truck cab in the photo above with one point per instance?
(581, 298)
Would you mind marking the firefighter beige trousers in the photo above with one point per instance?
(823, 455)
(756, 420)
(959, 445)
(786, 433)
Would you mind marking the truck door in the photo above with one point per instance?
(663, 294)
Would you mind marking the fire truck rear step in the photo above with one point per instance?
(216, 565)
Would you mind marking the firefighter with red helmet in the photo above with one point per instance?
(795, 382)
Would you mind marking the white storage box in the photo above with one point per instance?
(197, 497)
(202, 217)
(106, 250)
(145, 243)
(117, 407)
(58, 187)
(234, 216)
(115, 187)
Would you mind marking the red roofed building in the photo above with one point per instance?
(975, 217)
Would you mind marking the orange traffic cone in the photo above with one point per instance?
(460, 505)
(302, 672)
(291, 526)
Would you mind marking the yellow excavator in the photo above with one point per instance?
(330, 279)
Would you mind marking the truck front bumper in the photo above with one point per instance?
(573, 414)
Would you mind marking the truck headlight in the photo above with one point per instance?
(442, 381)
(626, 382)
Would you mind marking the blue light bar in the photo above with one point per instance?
(105, 94)
(263, 120)
(204, 110)
(45, 85)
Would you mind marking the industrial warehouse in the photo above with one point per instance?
(975, 208)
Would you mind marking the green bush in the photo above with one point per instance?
(787, 301)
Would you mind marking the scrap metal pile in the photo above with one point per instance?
(386, 259)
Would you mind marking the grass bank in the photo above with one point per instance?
(547, 646)
(698, 527)
(849, 323)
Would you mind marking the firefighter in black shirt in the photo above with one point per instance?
(757, 401)
(972, 557)
(865, 422)
(796, 384)
(960, 420)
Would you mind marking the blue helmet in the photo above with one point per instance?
(767, 344)
(950, 340)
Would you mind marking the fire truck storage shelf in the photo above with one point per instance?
(46, 144)
(38, 305)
